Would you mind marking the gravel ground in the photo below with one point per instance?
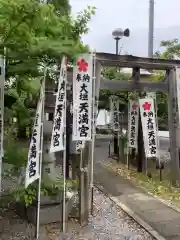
(108, 222)
(111, 223)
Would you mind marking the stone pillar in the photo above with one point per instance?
(49, 159)
(48, 166)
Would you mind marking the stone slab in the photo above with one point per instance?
(169, 229)
(143, 206)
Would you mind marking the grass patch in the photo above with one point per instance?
(163, 189)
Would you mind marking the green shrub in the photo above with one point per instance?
(51, 188)
(15, 153)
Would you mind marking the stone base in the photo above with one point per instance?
(50, 211)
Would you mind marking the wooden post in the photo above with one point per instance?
(86, 181)
(84, 185)
(75, 164)
(81, 189)
(141, 153)
(173, 121)
(120, 142)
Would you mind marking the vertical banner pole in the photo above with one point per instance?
(158, 142)
(64, 157)
(40, 158)
(93, 130)
(58, 137)
(81, 189)
(128, 136)
(2, 82)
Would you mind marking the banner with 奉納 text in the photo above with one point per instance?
(57, 138)
(133, 123)
(32, 169)
(82, 98)
(148, 121)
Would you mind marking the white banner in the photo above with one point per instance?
(57, 138)
(32, 169)
(133, 123)
(114, 108)
(149, 126)
(82, 98)
(178, 89)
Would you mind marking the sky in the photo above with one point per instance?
(132, 14)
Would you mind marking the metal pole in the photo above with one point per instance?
(116, 150)
(128, 149)
(68, 132)
(150, 55)
(81, 189)
(40, 159)
(117, 45)
(2, 78)
(94, 111)
(151, 29)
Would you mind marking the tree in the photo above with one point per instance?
(171, 50)
(110, 74)
(36, 34)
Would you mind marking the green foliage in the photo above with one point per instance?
(82, 18)
(51, 188)
(114, 73)
(62, 7)
(14, 153)
(35, 34)
(171, 49)
(27, 196)
(110, 74)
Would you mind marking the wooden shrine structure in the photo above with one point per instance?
(167, 85)
(136, 83)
